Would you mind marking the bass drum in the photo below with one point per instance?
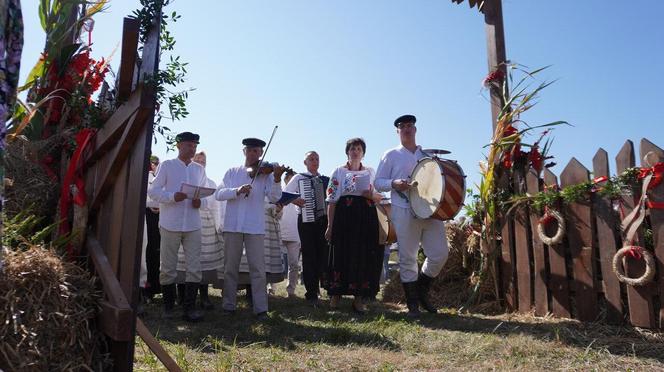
(386, 232)
(439, 189)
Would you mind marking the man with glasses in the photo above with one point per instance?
(393, 174)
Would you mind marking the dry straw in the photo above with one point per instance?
(47, 312)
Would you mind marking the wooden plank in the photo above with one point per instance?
(156, 347)
(558, 281)
(107, 137)
(657, 224)
(540, 251)
(496, 53)
(105, 272)
(579, 236)
(523, 250)
(150, 64)
(117, 157)
(130, 30)
(114, 321)
(507, 258)
(607, 222)
(639, 299)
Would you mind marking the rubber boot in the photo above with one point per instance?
(181, 294)
(423, 286)
(168, 292)
(205, 302)
(412, 301)
(191, 314)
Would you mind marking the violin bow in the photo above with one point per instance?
(260, 162)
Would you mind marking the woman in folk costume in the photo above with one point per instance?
(211, 243)
(274, 263)
(352, 228)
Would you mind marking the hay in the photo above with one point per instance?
(47, 312)
(456, 281)
(31, 187)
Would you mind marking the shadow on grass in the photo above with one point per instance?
(293, 321)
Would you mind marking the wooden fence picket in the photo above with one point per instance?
(657, 224)
(607, 221)
(639, 299)
(558, 282)
(540, 251)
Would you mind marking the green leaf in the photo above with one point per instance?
(44, 10)
(65, 56)
(36, 72)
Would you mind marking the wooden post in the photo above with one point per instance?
(496, 53)
(540, 251)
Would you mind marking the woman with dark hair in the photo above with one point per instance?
(352, 228)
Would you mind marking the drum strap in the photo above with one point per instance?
(401, 194)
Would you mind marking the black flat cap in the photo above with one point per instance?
(405, 119)
(187, 137)
(253, 142)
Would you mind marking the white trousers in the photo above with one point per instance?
(293, 252)
(411, 232)
(254, 246)
(170, 243)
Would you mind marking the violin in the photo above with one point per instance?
(266, 168)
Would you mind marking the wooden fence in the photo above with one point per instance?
(575, 279)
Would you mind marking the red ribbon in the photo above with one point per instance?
(74, 177)
(601, 179)
(657, 171)
(635, 252)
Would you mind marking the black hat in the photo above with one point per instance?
(405, 119)
(187, 137)
(253, 142)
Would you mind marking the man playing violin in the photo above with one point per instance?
(245, 189)
(393, 174)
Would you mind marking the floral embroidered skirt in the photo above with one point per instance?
(352, 259)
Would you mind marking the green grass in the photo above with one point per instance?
(298, 337)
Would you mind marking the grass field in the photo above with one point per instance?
(299, 337)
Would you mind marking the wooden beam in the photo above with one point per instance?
(156, 347)
(130, 30)
(109, 281)
(496, 53)
(107, 137)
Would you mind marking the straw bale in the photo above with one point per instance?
(47, 314)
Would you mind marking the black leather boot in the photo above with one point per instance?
(423, 286)
(410, 289)
(205, 302)
(168, 292)
(191, 314)
(181, 294)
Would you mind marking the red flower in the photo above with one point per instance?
(536, 159)
(496, 77)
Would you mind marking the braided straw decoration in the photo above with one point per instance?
(558, 238)
(647, 276)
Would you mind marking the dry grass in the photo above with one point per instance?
(298, 337)
(47, 310)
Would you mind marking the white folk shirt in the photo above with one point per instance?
(397, 163)
(347, 182)
(246, 215)
(289, 231)
(177, 216)
(149, 202)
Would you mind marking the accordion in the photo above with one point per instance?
(312, 190)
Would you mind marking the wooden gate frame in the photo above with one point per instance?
(116, 179)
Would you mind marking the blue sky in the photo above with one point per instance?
(326, 71)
